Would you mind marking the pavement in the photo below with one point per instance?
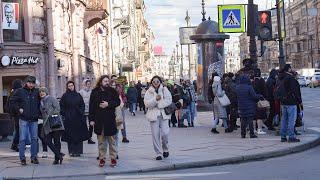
(189, 148)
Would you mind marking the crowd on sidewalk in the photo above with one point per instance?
(274, 104)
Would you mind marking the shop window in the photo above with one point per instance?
(13, 26)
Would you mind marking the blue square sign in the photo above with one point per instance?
(232, 18)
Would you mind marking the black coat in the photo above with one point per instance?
(72, 110)
(29, 101)
(105, 119)
(259, 86)
(292, 88)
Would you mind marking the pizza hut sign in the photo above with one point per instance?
(15, 60)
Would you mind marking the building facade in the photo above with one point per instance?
(62, 40)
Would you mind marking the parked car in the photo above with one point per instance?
(315, 81)
(302, 81)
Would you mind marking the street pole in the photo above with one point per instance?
(253, 44)
(282, 61)
(181, 65)
(177, 46)
(189, 46)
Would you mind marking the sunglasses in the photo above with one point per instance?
(156, 81)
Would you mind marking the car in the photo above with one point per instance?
(302, 81)
(315, 81)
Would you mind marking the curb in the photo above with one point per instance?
(216, 162)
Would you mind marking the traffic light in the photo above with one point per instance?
(264, 25)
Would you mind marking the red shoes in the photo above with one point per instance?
(113, 163)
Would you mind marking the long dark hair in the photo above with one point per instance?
(70, 82)
(99, 82)
(156, 77)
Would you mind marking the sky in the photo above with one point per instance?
(166, 16)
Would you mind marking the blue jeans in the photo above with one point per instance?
(193, 110)
(185, 115)
(28, 129)
(132, 107)
(288, 120)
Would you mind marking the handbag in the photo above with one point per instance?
(171, 108)
(55, 121)
(263, 104)
(224, 100)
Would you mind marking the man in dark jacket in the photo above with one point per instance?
(26, 103)
(132, 96)
(16, 84)
(247, 104)
(103, 101)
(139, 98)
(290, 99)
(186, 114)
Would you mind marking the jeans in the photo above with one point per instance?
(193, 110)
(132, 107)
(26, 129)
(288, 120)
(185, 115)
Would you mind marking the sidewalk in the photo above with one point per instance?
(190, 147)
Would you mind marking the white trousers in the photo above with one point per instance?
(160, 133)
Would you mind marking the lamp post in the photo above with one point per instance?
(177, 46)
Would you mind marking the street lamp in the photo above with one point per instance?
(252, 34)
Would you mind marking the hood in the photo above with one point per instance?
(17, 84)
(243, 79)
(273, 74)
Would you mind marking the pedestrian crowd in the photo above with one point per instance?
(275, 105)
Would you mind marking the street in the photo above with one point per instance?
(293, 167)
(304, 165)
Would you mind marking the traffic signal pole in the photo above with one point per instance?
(282, 61)
(252, 25)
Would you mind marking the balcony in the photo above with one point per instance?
(96, 11)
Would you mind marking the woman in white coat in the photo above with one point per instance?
(156, 99)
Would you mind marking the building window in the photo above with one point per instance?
(15, 23)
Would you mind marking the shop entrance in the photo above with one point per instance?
(6, 88)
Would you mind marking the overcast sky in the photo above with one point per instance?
(166, 16)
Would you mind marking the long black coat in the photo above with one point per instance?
(72, 109)
(105, 119)
(259, 86)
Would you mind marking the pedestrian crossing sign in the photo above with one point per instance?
(232, 18)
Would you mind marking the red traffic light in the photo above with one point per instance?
(264, 18)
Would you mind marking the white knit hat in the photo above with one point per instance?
(217, 79)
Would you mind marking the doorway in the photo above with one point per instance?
(7, 87)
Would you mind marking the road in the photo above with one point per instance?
(305, 165)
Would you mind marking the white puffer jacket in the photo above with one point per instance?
(156, 108)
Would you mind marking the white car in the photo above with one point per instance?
(302, 81)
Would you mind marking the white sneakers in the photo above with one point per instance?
(44, 154)
(261, 132)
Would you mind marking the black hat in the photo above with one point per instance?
(287, 67)
(31, 79)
